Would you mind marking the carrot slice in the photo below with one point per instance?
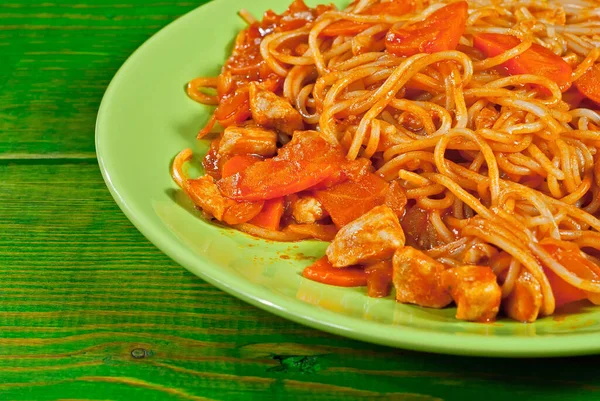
(273, 178)
(350, 28)
(564, 293)
(574, 96)
(438, 32)
(536, 60)
(569, 255)
(349, 170)
(238, 163)
(349, 200)
(241, 212)
(589, 83)
(323, 272)
(270, 215)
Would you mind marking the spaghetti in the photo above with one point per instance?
(449, 148)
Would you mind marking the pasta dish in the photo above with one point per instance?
(448, 150)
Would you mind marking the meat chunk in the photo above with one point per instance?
(370, 238)
(419, 233)
(474, 290)
(524, 302)
(272, 111)
(379, 279)
(417, 279)
(245, 140)
(204, 193)
(395, 198)
(307, 210)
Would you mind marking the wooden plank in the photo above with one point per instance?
(89, 309)
(56, 60)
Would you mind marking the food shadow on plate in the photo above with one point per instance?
(258, 260)
(189, 128)
(179, 197)
(267, 267)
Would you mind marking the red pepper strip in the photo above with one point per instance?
(241, 212)
(589, 83)
(302, 163)
(568, 255)
(439, 32)
(349, 200)
(270, 215)
(350, 170)
(235, 109)
(536, 60)
(237, 164)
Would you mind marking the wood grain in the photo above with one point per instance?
(88, 306)
(56, 59)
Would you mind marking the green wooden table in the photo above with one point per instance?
(90, 310)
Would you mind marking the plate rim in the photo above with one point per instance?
(408, 338)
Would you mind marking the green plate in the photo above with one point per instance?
(145, 119)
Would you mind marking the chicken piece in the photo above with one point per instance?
(474, 290)
(246, 140)
(417, 279)
(524, 302)
(370, 238)
(307, 210)
(272, 111)
(204, 193)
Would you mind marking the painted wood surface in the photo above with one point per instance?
(89, 310)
